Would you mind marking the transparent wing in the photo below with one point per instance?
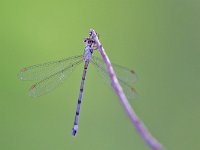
(41, 71)
(51, 82)
(125, 76)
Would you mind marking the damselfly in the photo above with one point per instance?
(51, 74)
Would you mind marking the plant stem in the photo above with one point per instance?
(139, 126)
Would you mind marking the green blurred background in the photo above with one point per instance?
(159, 39)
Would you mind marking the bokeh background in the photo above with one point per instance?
(159, 39)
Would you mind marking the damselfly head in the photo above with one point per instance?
(88, 41)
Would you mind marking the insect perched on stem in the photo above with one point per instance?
(51, 74)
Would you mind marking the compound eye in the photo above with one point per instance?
(85, 40)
